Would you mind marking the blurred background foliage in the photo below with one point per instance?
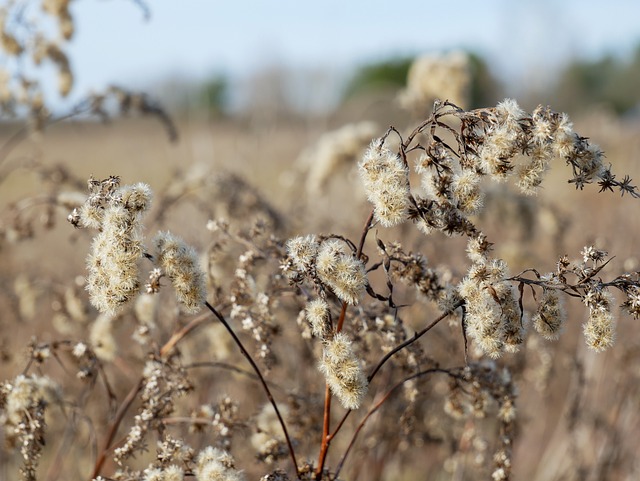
(609, 82)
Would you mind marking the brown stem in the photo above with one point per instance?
(365, 231)
(413, 339)
(193, 324)
(377, 406)
(256, 369)
(122, 410)
(126, 403)
(399, 347)
(326, 421)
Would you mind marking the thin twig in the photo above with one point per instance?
(193, 324)
(388, 356)
(377, 406)
(122, 410)
(256, 369)
(413, 339)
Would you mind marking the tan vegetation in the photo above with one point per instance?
(428, 301)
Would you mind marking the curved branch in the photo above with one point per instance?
(256, 369)
(377, 406)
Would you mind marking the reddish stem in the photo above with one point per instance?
(326, 421)
(122, 410)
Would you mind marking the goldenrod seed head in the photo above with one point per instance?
(509, 110)
(136, 198)
(550, 316)
(478, 248)
(599, 330)
(173, 473)
(213, 464)
(180, 264)
(303, 251)
(343, 372)
(386, 181)
(343, 273)
(318, 317)
(153, 474)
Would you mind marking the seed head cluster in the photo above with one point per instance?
(599, 330)
(179, 262)
(341, 271)
(386, 182)
(550, 315)
(213, 464)
(327, 263)
(343, 372)
(23, 404)
(317, 312)
(112, 278)
(493, 317)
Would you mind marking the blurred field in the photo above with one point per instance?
(579, 412)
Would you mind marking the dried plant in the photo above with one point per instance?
(325, 301)
(248, 326)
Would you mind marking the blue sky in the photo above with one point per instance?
(524, 40)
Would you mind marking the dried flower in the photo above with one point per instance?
(318, 316)
(599, 330)
(343, 273)
(214, 464)
(303, 251)
(550, 316)
(112, 278)
(342, 370)
(386, 182)
(180, 264)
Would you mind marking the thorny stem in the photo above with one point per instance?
(377, 406)
(326, 421)
(255, 367)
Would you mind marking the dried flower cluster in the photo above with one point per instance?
(343, 372)
(328, 264)
(493, 317)
(23, 404)
(180, 264)
(491, 143)
(112, 280)
(179, 403)
(163, 382)
(386, 181)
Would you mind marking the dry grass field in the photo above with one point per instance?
(577, 411)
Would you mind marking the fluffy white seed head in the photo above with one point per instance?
(303, 250)
(112, 278)
(342, 272)
(181, 265)
(343, 372)
(213, 464)
(318, 316)
(550, 316)
(599, 330)
(386, 181)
